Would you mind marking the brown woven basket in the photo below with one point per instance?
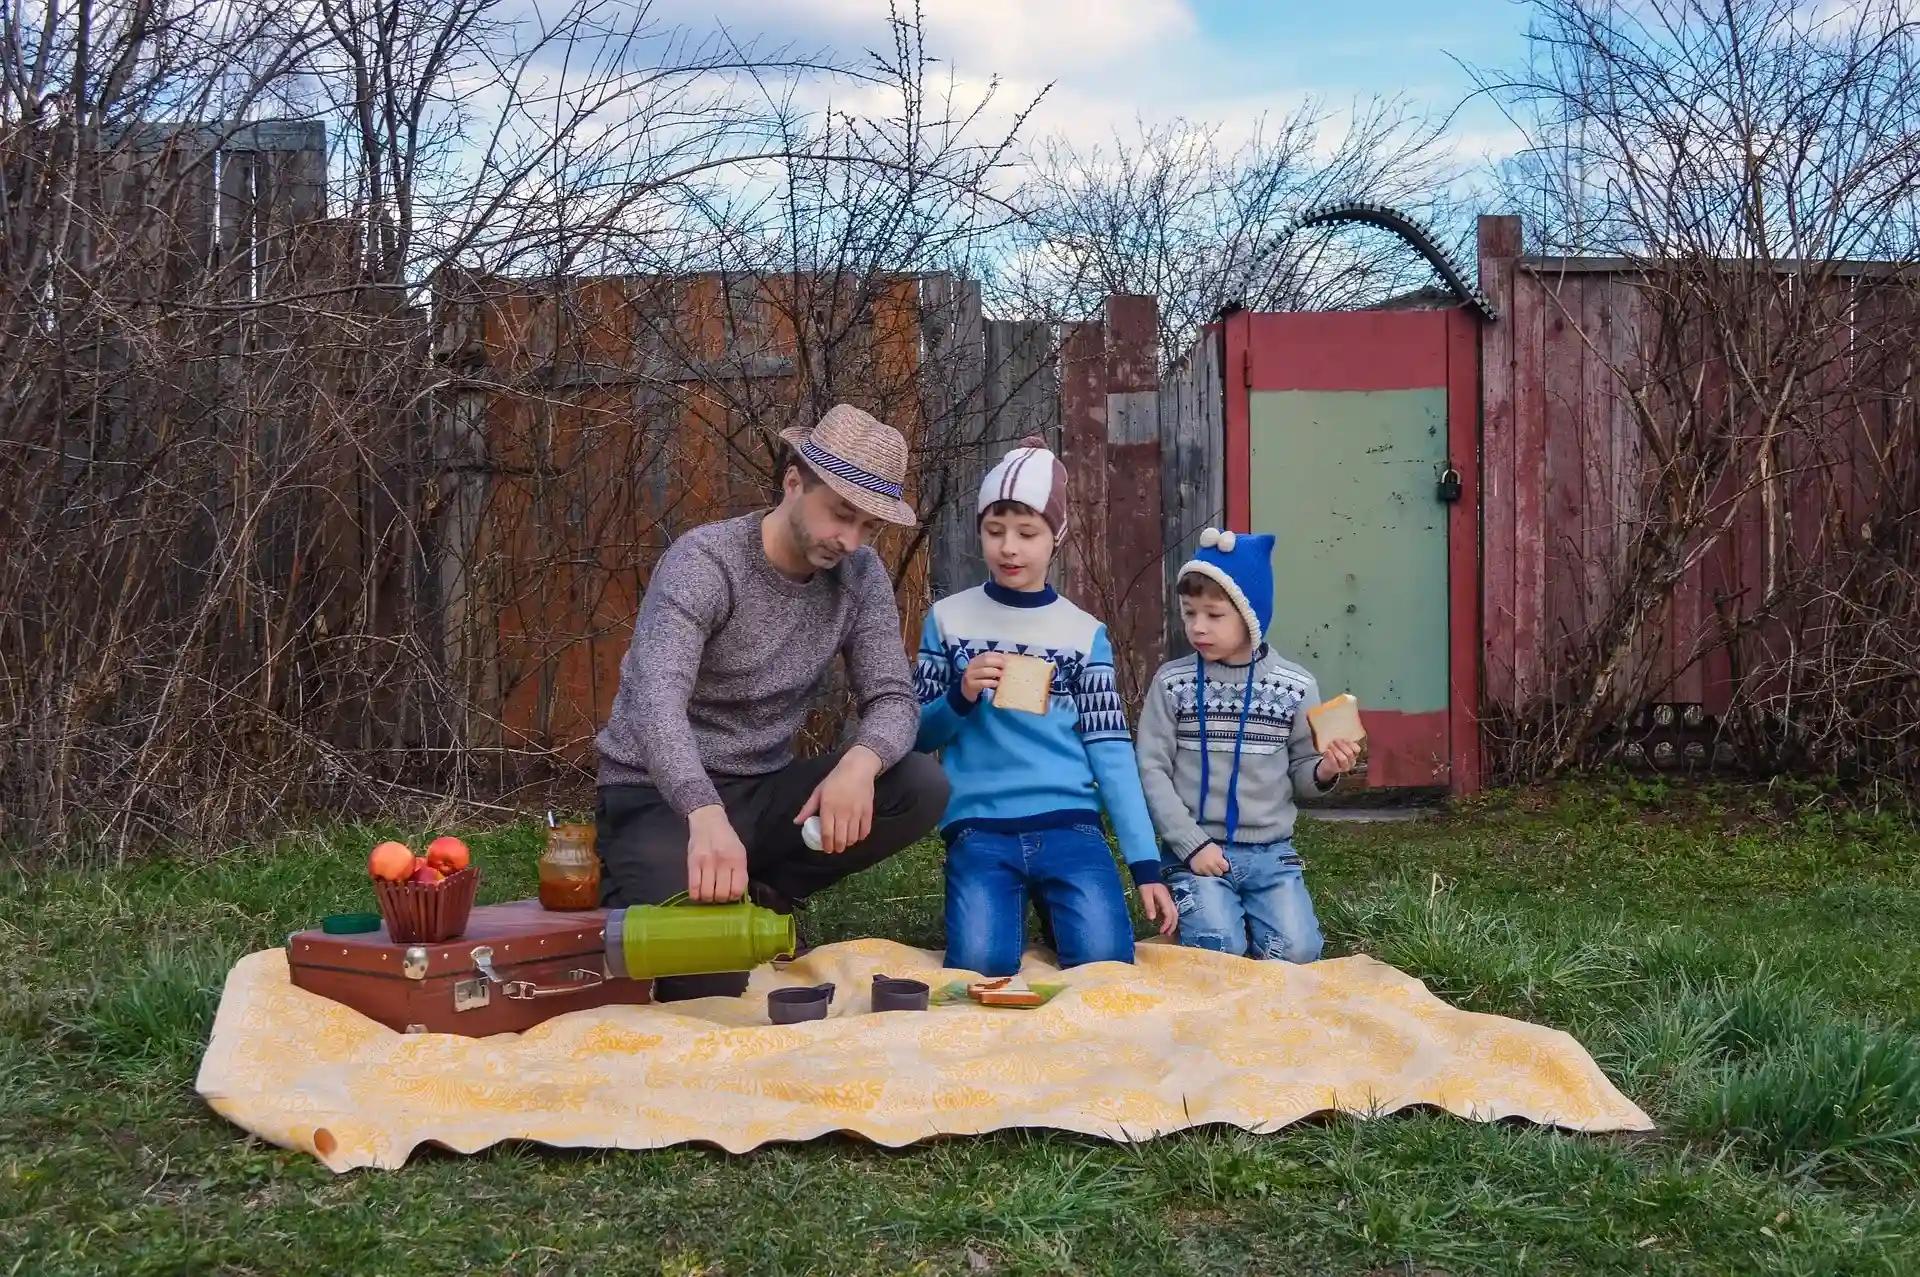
(428, 914)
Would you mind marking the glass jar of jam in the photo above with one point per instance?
(570, 869)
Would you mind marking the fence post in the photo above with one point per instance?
(955, 420)
(1499, 251)
(461, 468)
(1192, 478)
(1083, 450)
(1134, 536)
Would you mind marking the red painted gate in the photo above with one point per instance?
(1353, 436)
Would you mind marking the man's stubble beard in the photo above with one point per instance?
(815, 554)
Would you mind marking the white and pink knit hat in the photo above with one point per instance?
(1034, 477)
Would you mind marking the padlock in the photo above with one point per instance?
(1450, 485)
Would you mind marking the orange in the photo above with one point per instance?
(392, 861)
(448, 854)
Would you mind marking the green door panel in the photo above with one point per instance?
(1345, 479)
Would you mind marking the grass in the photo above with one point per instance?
(1746, 965)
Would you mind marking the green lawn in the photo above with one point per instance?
(1751, 978)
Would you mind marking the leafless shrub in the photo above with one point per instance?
(1757, 167)
(1182, 212)
(346, 389)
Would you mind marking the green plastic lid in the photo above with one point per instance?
(344, 924)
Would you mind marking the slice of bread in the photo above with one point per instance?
(1337, 719)
(1010, 998)
(1007, 991)
(1025, 685)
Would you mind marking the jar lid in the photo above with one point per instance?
(345, 924)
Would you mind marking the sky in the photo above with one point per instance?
(1224, 61)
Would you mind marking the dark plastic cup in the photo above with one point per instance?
(791, 1006)
(892, 993)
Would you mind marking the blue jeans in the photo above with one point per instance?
(1259, 907)
(1072, 872)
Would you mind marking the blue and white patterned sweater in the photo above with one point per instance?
(1013, 771)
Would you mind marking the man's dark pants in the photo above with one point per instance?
(643, 842)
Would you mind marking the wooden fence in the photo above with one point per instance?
(267, 518)
(591, 424)
(1567, 470)
(1143, 456)
(688, 438)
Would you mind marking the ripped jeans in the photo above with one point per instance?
(1260, 907)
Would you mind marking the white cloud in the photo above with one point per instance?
(1028, 39)
(1099, 61)
(1100, 64)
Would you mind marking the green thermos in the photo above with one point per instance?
(680, 938)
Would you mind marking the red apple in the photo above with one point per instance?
(426, 875)
(448, 854)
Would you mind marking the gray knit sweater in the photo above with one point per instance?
(1277, 757)
(728, 654)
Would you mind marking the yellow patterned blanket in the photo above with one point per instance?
(1181, 1039)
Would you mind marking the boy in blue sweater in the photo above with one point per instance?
(1028, 789)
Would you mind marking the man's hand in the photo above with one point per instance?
(1157, 903)
(983, 672)
(1336, 760)
(716, 860)
(844, 801)
(1209, 862)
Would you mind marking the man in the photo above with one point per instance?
(699, 788)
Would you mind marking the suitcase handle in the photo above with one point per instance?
(527, 990)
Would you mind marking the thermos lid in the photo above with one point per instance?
(615, 938)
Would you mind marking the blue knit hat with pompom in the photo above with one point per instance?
(1240, 563)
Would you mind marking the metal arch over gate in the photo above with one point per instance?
(1414, 233)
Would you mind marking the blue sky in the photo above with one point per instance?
(1215, 60)
(1360, 48)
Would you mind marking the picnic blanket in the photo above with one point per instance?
(1182, 1038)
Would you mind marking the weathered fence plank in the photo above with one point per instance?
(1192, 478)
(1499, 253)
(1083, 429)
(953, 461)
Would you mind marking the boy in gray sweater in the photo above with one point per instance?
(1224, 747)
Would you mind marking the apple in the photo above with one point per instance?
(426, 875)
(448, 854)
(391, 862)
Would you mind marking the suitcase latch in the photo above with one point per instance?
(471, 995)
(483, 962)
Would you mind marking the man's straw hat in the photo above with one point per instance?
(861, 458)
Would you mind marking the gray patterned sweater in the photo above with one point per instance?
(1277, 757)
(727, 656)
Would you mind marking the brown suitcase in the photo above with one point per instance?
(515, 966)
